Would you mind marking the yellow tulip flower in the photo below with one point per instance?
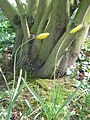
(42, 36)
(76, 29)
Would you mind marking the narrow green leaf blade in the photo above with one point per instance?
(68, 100)
(37, 98)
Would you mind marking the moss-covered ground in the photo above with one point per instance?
(76, 109)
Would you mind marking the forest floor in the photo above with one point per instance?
(77, 109)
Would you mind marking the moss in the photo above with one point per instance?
(67, 87)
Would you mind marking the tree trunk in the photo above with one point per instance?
(60, 48)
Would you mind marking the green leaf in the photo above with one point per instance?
(68, 116)
(68, 100)
(37, 98)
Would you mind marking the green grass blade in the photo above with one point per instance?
(27, 113)
(55, 100)
(7, 85)
(28, 104)
(38, 91)
(37, 116)
(38, 99)
(20, 89)
(18, 84)
(1, 116)
(35, 111)
(9, 110)
(56, 95)
(68, 116)
(68, 100)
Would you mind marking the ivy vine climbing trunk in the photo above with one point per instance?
(53, 16)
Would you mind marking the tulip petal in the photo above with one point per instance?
(42, 36)
(76, 29)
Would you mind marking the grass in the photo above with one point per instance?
(45, 94)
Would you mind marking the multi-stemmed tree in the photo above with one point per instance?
(56, 17)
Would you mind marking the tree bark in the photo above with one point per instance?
(37, 44)
(66, 40)
(72, 54)
(56, 28)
